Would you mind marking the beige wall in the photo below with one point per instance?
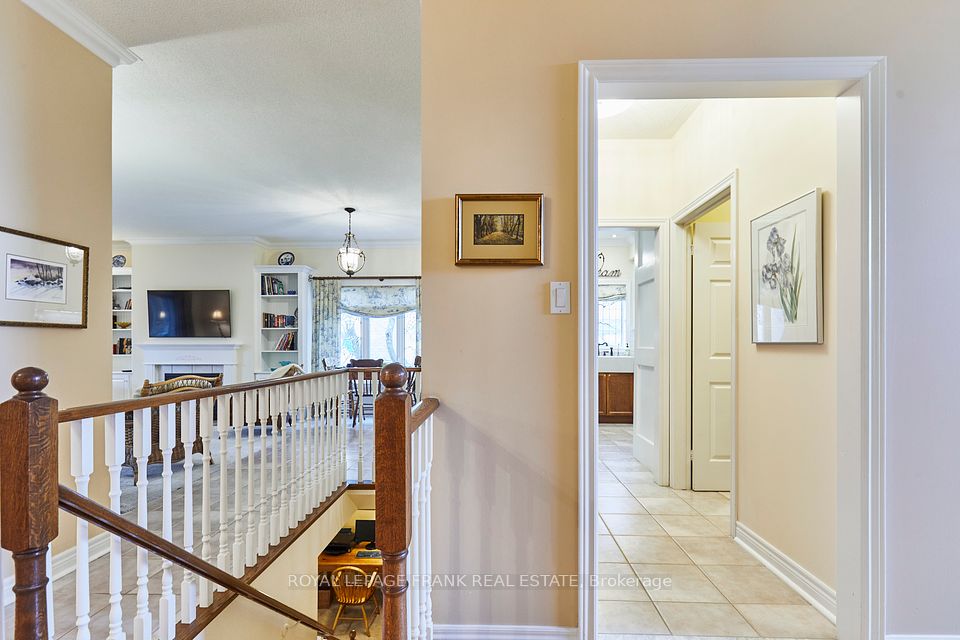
(499, 108)
(782, 149)
(55, 109)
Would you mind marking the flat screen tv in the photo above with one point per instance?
(189, 314)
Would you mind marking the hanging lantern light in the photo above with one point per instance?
(350, 258)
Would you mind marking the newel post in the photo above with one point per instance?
(29, 495)
(393, 495)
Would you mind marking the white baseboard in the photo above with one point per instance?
(65, 562)
(501, 632)
(920, 637)
(810, 587)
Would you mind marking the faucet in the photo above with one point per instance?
(603, 344)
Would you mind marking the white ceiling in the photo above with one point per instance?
(644, 119)
(258, 118)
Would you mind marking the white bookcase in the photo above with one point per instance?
(274, 285)
(122, 314)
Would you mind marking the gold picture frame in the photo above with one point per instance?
(45, 281)
(501, 229)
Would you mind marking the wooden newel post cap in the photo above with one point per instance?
(30, 381)
(394, 376)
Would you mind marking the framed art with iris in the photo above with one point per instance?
(786, 265)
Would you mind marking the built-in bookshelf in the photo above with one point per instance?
(283, 307)
(122, 318)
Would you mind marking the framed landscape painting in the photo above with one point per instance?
(500, 229)
(786, 266)
(44, 281)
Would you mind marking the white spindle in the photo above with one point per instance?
(205, 588)
(311, 458)
(51, 614)
(250, 417)
(297, 416)
(342, 420)
(413, 557)
(113, 446)
(81, 466)
(274, 485)
(302, 463)
(360, 439)
(143, 621)
(223, 550)
(375, 390)
(168, 439)
(428, 528)
(284, 433)
(188, 436)
(237, 423)
(329, 463)
(263, 531)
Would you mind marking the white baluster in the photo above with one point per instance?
(284, 432)
(311, 456)
(113, 454)
(3, 595)
(223, 551)
(205, 588)
(50, 612)
(360, 438)
(340, 427)
(302, 464)
(428, 528)
(188, 436)
(81, 466)
(375, 386)
(250, 416)
(143, 621)
(168, 439)
(297, 417)
(274, 485)
(263, 531)
(326, 385)
(413, 562)
(237, 423)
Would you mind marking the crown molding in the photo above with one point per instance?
(83, 29)
(369, 244)
(194, 240)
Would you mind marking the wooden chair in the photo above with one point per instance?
(362, 388)
(353, 587)
(412, 380)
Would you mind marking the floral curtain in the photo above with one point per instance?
(611, 292)
(326, 322)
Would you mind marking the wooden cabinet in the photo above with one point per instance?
(616, 397)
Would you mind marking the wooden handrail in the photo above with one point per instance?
(419, 414)
(96, 514)
(122, 406)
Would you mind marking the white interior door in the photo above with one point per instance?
(646, 371)
(712, 309)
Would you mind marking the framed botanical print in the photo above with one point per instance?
(500, 229)
(44, 281)
(786, 266)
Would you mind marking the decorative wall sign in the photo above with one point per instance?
(786, 268)
(603, 272)
(500, 229)
(44, 281)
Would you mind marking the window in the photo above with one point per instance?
(393, 338)
(612, 318)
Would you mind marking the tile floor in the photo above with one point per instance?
(680, 572)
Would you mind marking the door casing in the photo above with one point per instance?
(859, 83)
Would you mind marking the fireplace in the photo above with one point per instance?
(168, 359)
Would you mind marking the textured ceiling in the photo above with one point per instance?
(265, 118)
(645, 119)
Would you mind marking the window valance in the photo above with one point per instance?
(378, 301)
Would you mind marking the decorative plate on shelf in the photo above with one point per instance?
(119, 260)
(286, 259)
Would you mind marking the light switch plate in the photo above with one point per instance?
(559, 297)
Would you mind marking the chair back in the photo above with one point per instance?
(352, 585)
(323, 361)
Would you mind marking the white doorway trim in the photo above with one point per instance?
(680, 319)
(663, 326)
(861, 405)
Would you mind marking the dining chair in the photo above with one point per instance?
(361, 386)
(412, 380)
(353, 587)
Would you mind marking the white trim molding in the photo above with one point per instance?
(921, 637)
(860, 574)
(810, 587)
(501, 632)
(82, 28)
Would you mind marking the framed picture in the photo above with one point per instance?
(786, 267)
(44, 281)
(500, 228)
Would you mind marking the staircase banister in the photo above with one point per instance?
(100, 516)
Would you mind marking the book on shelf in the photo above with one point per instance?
(287, 342)
(123, 346)
(272, 286)
(276, 321)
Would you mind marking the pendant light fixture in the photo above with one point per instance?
(350, 258)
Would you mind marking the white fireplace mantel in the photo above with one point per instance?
(191, 357)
